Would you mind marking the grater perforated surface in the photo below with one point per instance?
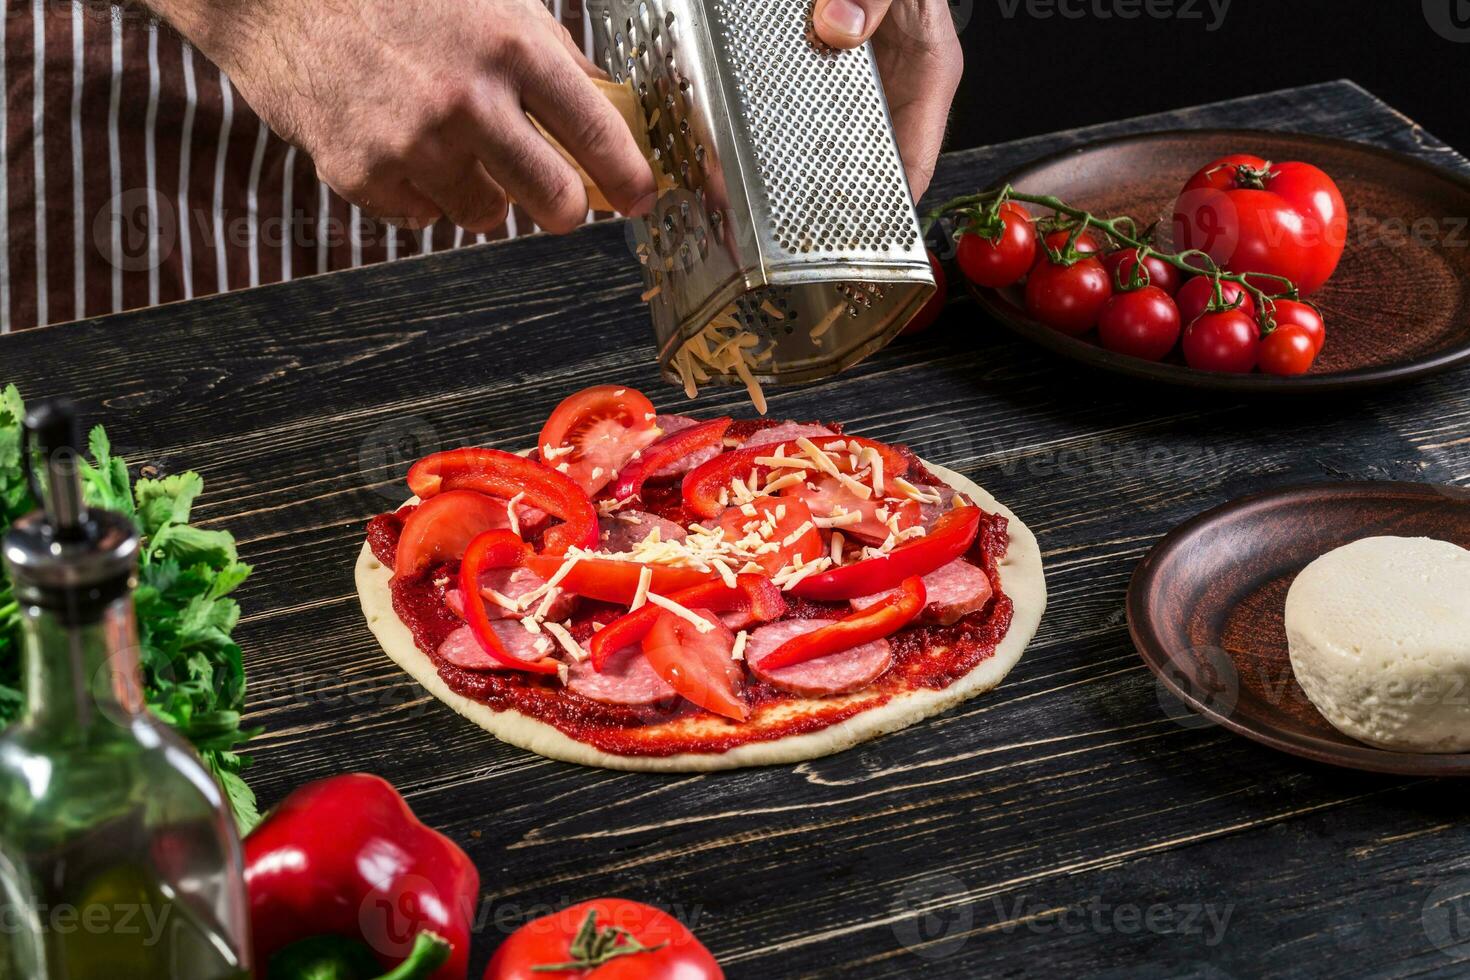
(832, 178)
(789, 217)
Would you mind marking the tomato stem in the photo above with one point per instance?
(593, 946)
(1124, 231)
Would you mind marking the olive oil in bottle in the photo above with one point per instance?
(118, 855)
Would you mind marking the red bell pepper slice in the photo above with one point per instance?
(665, 451)
(697, 663)
(613, 580)
(949, 538)
(501, 474)
(346, 858)
(881, 619)
(703, 485)
(494, 549)
(753, 594)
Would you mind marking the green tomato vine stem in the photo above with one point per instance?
(1124, 231)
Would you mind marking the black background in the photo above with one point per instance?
(1026, 75)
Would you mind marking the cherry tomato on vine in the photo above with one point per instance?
(929, 312)
(1250, 215)
(1087, 244)
(1196, 294)
(1291, 313)
(1068, 298)
(1288, 351)
(1120, 266)
(1141, 323)
(1003, 262)
(1228, 341)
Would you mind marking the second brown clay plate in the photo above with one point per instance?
(1207, 606)
(1398, 307)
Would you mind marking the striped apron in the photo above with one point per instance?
(134, 174)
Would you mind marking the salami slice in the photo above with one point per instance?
(671, 424)
(513, 583)
(623, 530)
(627, 678)
(786, 432)
(955, 590)
(836, 673)
(461, 649)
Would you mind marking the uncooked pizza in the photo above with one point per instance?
(646, 591)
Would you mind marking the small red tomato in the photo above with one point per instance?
(929, 312)
(1087, 244)
(1003, 262)
(1120, 266)
(1142, 323)
(1068, 298)
(1288, 351)
(1228, 341)
(1291, 313)
(1196, 294)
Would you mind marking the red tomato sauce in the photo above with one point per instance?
(924, 656)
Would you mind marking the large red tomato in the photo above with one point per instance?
(1250, 215)
(669, 950)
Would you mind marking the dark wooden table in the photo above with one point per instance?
(1074, 822)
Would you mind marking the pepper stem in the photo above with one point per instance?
(429, 952)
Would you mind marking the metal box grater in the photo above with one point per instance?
(790, 216)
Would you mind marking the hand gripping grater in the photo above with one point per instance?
(789, 231)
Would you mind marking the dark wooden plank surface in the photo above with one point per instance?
(1071, 823)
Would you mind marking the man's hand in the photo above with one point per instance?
(920, 59)
(413, 110)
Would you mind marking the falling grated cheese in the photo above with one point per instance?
(914, 493)
(545, 607)
(503, 601)
(827, 321)
(571, 646)
(510, 513)
(640, 595)
(700, 623)
(574, 555)
(874, 459)
(787, 480)
(651, 292)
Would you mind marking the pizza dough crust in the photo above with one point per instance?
(1021, 576)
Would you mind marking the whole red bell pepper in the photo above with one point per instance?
(341, 872)
(883, 618)
(753, 594)
(668, 450)
(505, 475)
(949, 538)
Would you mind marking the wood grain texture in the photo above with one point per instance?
(1030, 831)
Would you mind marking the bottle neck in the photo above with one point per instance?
(82, 677)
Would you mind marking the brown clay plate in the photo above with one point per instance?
(1206, 608)
(1398, 307)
